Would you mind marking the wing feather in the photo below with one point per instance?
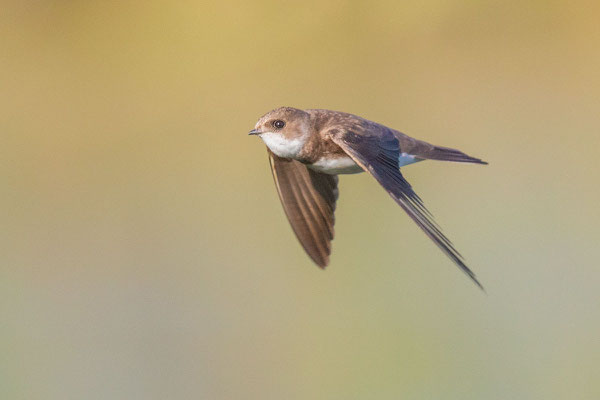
(377, 153)
(308, 198)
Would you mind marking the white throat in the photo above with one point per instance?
(282, 146)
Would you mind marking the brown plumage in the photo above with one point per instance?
(307, 149)
(308, 198)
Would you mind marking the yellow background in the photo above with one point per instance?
(144, 253)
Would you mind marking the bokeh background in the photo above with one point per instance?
(144, 252)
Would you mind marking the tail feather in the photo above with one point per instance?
(448, 154)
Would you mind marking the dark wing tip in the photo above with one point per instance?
(471, 275)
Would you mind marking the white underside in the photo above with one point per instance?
(281, 146)
(335, 166)
(346, 165)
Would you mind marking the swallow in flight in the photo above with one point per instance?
(308, 149)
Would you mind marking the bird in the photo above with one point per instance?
(309, 148)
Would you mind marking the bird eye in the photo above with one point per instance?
(278, 124)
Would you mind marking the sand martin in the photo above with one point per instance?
(309, 148)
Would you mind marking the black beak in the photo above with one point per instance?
(254, 132)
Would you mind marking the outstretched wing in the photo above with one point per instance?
(308, 198)
(378, 154)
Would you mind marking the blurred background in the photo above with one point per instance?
(145, 255)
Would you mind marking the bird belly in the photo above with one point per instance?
(336, 165)
(346, 165)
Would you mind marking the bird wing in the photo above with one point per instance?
(377, 152)
(308, 198)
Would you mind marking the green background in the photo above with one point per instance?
(144, 253)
